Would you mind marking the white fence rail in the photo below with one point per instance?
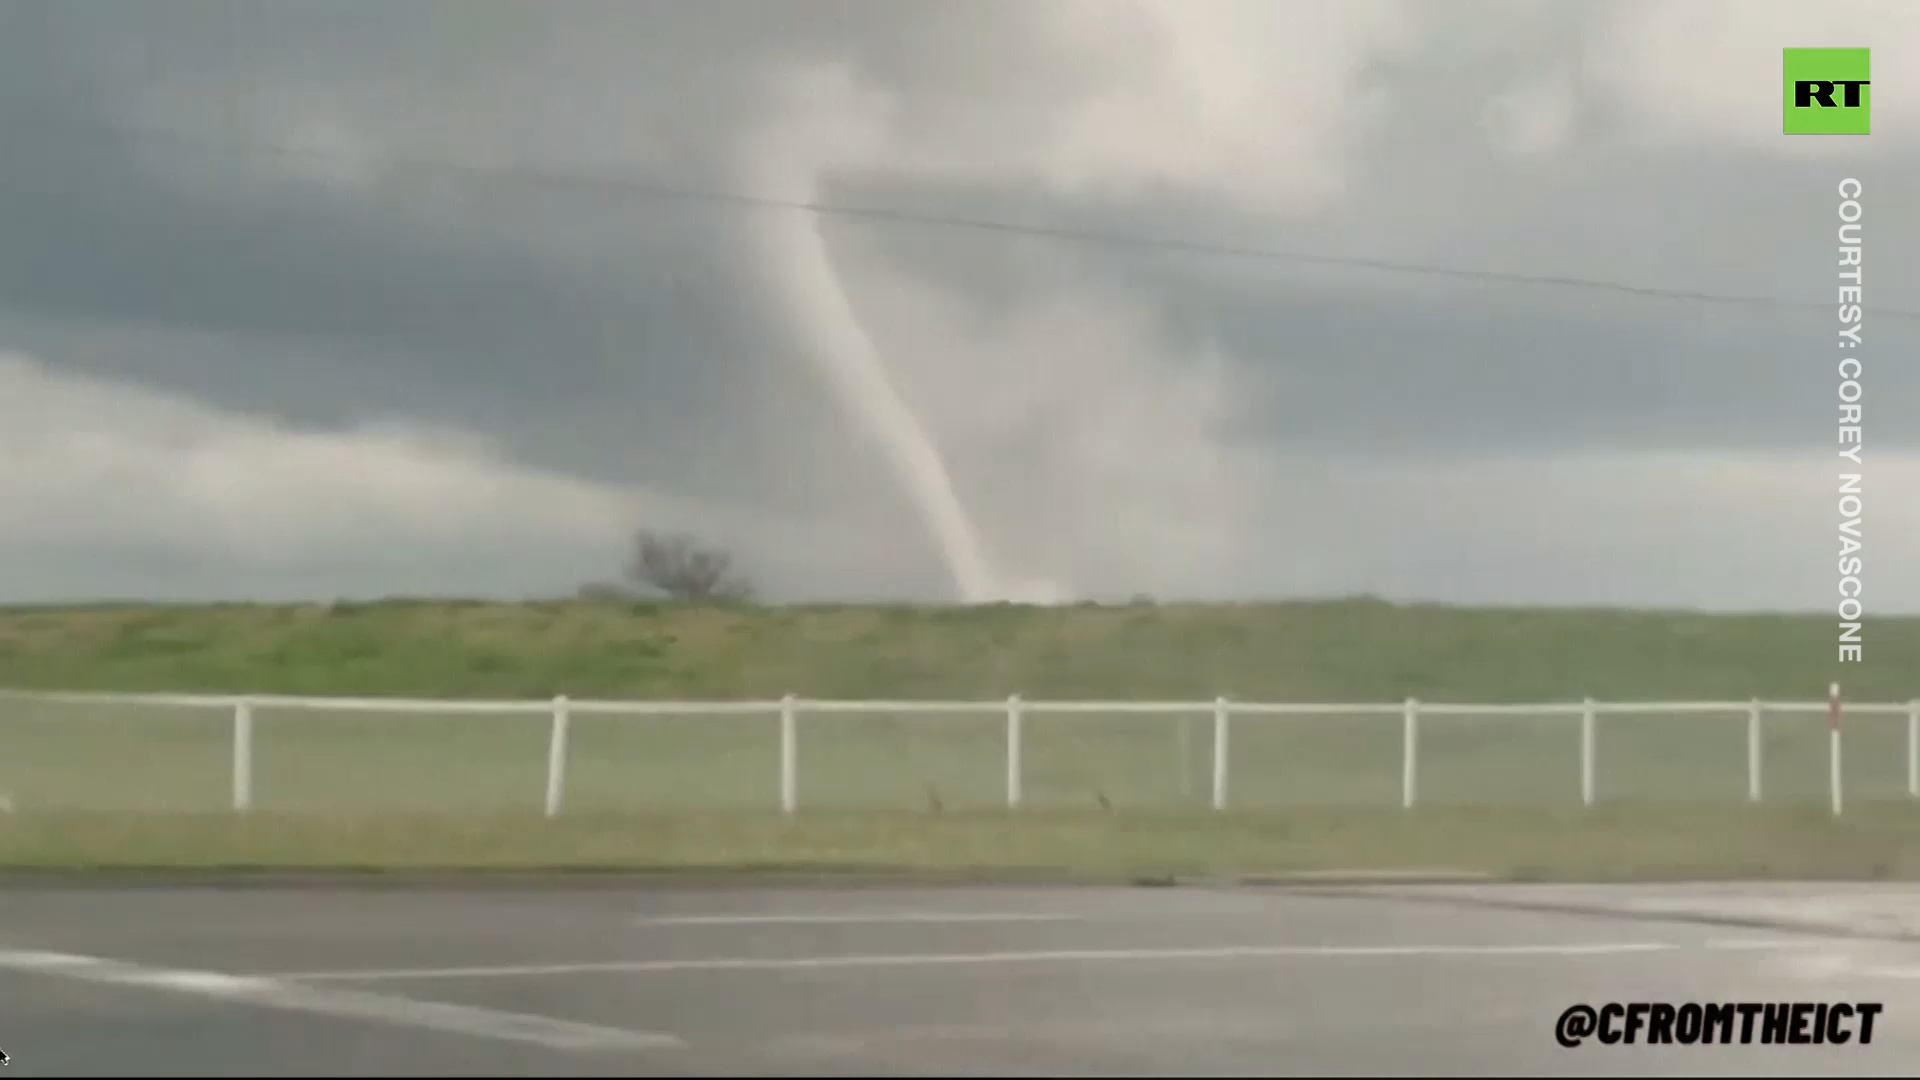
(561, 713)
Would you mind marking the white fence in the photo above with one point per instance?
(559, 713)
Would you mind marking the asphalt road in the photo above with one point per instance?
(947, 981)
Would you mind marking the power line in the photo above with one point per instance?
(634, 186)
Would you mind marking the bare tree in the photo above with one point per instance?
(684, 568)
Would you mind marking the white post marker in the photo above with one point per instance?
(1913, 749)
(1185, 736)
(1013, 752)
(1220, 753)
(789, 757)
(1586, 752)
(1834, 772)
(1410, 754)
(557, 756)
(1754, 762)
(242, 756)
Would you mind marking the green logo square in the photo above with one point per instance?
(1826, 91)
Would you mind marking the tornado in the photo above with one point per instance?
(828, 330)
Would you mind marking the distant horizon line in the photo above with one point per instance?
(1141, 601)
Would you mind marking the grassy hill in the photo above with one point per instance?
(1326, 651)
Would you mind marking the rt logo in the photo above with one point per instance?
(1826, 92)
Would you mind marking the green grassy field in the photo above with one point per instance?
(943, 770)
(1331, 651)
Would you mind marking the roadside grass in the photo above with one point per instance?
(1615, 843)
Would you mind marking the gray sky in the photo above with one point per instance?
(351, 299)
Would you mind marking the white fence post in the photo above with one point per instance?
(557, 756)
(242, 756)
(1409, 753)
(1913, 749)
(1587, 724)
(1220, 713)
(1835, 773)
(1184, 736)
(1013, 752)
(789, 756)
(243, 709)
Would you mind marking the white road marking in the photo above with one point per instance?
(1884, 972)
(1048, 956)
(853, 919)
(1766, 944)
(1841, 966)
(274, 993)
(1853, 963)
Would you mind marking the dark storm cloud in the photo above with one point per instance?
(493, 269)
(469, 294)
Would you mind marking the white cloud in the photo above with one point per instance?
(87, 457)
(1255, 99)
(1252, 97)
(95, 464)
(1714, 531)
(1532, 119)
(1712, 68)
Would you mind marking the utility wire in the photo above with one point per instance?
(637, 187)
